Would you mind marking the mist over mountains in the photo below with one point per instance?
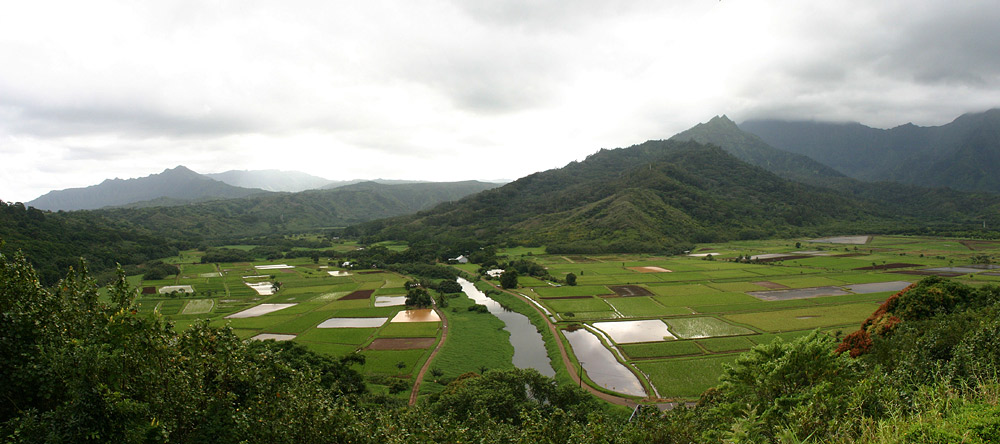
(963, 154)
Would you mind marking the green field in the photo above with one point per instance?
(703, 302)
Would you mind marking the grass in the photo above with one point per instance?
(355, 336)
(685, 378)
(576, 305)
(409, 330)
(198, 306)
(474, 340)
(643, 306)
(661, 349)
(579, 290)
(687, 328)
(806, 318)
(719, 345)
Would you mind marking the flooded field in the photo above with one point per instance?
(421, 315)
(529, 348)
(276, 337)
(878, 287)
(259, 310)
(601, 366)
(799, 293)
(352, 322)
(389, 301)
(624, 332)
(847, 240)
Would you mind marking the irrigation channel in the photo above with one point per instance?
(529, 347)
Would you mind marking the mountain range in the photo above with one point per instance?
(963, 154)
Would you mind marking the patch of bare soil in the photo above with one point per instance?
(360, 294)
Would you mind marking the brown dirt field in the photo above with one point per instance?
(649, 269)
(929, 273)
(400, 343)
(630, 290)
(148, 290)
(771, 285)
(360, 294)
(568, 297)
(889, 266)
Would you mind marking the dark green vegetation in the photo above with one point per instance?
(660, 196)
(176, 184)
(289, 212)
(941, 211)
(87, 368)
(56, 241)
(962, 154)
(722, 132)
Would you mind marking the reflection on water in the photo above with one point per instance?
(601, 365)
(529, 347)
(635, 331)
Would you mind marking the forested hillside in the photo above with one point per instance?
(175, 184)
(656, 196)
(962, 154)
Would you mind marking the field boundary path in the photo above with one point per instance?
(427, 364)
(565, 356)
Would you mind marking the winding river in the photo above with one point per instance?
(529, 347)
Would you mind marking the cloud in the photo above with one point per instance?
(416, 89)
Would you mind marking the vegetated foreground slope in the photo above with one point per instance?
(656, 196)
(962, 154)
(177, 184)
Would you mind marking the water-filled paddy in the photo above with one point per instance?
(635, 331)
(259, 310)
(352, 322)
(798, 293)
(421, 315)
(276, 337)
(389, 301)
(601, 366)
(878, 287)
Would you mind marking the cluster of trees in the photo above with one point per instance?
(56, 241)
(83, 368)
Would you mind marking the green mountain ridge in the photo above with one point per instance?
(962, 154)
(177, 184)
(656, 196)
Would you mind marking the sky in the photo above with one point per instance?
(454, 90)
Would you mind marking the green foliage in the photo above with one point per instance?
(508, 279)
(509, 395)
(570, 279)
(418, 297)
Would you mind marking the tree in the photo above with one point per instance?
(509, 279)
(571, 279)
(418, 297)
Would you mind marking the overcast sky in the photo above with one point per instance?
(454, 90)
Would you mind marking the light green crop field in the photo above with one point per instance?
(198, 306)
(685, 377)
(644, 306)
(806, 318)
(704, 327)
(662, 349)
